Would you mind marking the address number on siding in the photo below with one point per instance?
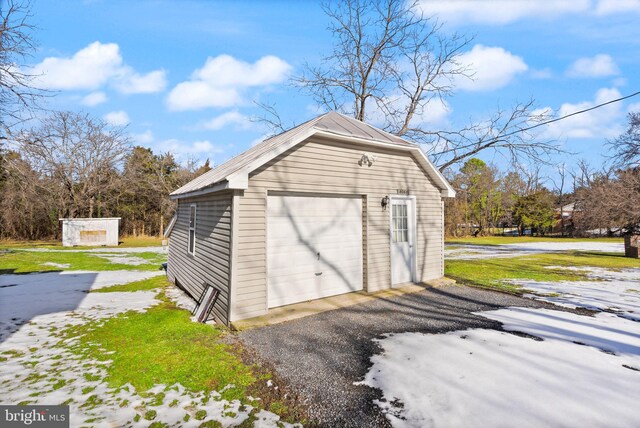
(402, 191)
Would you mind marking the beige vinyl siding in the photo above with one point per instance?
(210, 263)
(320, 166)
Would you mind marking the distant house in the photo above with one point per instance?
(329, 207)
(566, 217)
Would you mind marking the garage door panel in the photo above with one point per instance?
(316, 206)
(300, 227)
(311, 228)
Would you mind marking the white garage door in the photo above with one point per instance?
(314, 247)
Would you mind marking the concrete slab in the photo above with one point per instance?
(304, 309)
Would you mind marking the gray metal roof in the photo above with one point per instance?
(332, 122)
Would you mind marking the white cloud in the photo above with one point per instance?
(500, 12)
(133, 83)
(434, 112)
(600, 123)
(117, 118)
(93, 67)
(608, 7)
(89, 68)
(494, 12)
(231, 117)
(94, 98)
(493, 68)
(144, 138)
(601, 65)
(634, 108)
(222, 81)
(619, 81)
(545, 73)
(182, 149)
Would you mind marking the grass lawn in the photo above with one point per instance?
(163, 346)
(501, 240)
(125, 242)
(494, 273)
(143, 285)
(17, 261)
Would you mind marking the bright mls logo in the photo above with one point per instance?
(34, 416)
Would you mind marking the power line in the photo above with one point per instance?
(557, 119)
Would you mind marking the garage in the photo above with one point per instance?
(314, 247)
(329, 207)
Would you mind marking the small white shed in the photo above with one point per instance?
(90, 231)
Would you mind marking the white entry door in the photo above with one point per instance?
(402, 237)
(314, 247)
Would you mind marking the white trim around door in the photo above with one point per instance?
(402, 238)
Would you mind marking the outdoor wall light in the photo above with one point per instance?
(384, 202)
(367, 159)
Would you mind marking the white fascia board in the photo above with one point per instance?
(215, 188)
(446, 191)
(171, 224)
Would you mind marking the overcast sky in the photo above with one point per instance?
(183, 75)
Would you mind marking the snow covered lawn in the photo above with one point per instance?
(471, 252)
(40, 363)
(616, 291)
(489, 378)
(548, 368)
(43, 296)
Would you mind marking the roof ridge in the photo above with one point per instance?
(373, 128)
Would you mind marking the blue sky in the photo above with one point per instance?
(183, 75)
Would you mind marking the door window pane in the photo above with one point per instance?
(399, 223)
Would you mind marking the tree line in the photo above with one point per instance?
(578, 201)
(73, 165)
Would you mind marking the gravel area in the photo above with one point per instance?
(321, 356)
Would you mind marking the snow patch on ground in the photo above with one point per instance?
(58, 265)
(180, 298)
(610, 290)
(39, 367)
(479, 378)
(471, 252)
(604, 331)
(584, 372)
(42, 370)
(24, 297)
(124, 259)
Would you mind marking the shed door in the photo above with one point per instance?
(314, 247)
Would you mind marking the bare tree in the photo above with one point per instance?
(559, 187)
(390, 62)
(626, 147)
(17, 93)
(506, 132)
(79, 154)
(610, 203)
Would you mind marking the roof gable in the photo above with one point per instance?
(233, 174)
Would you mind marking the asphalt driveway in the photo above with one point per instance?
(321, 356)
